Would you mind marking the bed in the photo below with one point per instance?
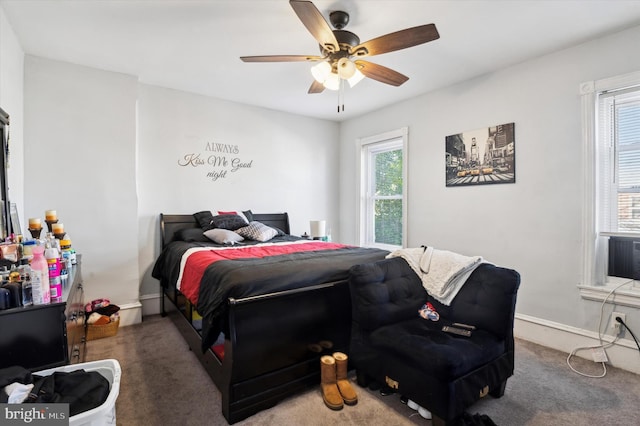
(258, 324)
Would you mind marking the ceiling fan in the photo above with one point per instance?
(341, 50)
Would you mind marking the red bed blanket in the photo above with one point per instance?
(196, 260)
(209, 276)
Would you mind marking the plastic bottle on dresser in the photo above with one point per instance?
(25, 275)
(51, 253)
(50, 241)
(40, 277)
(12, 285)
(27, 249)
(65, 261)
(66, 252)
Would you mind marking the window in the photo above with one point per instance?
(619, 160)
(611, 128)
(383, 190)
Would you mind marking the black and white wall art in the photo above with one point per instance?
(482, 156)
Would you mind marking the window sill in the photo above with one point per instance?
(628, 295)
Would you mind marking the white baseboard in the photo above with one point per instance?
(130, 313)
(623, 354)
(150, 304)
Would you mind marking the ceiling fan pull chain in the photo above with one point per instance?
(341, 96)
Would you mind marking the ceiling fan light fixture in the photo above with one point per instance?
(355, 78)
(338, 47)
(346, 68)
(332, 82)
(321, 71)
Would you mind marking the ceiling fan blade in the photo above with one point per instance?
(380, 73)
(316, 87)
(395, 41)
(281, 58)
(316, 24)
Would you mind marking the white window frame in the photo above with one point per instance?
(595, 284)
(397, 137)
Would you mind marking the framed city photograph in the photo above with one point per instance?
(481, 157)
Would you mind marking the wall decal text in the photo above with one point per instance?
(219, 160)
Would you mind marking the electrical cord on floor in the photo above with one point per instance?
(629, 330)
(600, 339)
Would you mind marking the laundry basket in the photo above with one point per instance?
(104, 414)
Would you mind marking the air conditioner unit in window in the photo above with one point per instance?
(624, 257)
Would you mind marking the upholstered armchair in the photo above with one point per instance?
(445, 373)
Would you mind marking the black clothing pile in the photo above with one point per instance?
(82, 390)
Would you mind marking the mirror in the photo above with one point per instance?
(5, 228)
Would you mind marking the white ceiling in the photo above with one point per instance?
(195, 45)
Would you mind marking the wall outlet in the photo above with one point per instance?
(616, 328)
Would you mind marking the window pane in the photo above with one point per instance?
(388, 222)
(388, 172)
(629, 124)
(383, 192)
(629, 212)
(629, 173)
(628, 142)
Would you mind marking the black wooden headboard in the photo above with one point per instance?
(172, 223)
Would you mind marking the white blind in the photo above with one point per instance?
(619, 161)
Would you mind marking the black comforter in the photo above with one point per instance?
(250, 277)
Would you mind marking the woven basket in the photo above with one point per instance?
(105, 330)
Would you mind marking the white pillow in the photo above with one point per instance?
(257, 231)
(223, 236)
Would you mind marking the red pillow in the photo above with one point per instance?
(219, 212)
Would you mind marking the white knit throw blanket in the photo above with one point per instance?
(442, 272)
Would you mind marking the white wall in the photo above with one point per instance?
(121, 141)
(105, 152)
(534, 225)
(293, 162)
(80, 143)
(11, 101)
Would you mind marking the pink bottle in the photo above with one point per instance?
(40, 277)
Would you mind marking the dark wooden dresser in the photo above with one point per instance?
(45, 336)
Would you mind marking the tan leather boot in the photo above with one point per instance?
(346, 390)
(330, 393)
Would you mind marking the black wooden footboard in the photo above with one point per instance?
(274, 344)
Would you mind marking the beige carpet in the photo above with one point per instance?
(163, 384)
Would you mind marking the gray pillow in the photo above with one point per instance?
(257, 231)
(227, 221)
(223, 236)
